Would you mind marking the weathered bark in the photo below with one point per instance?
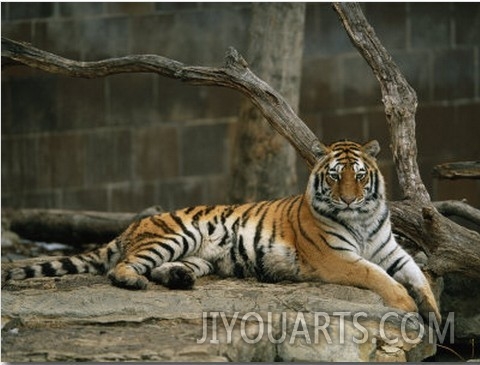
(399, 98)
(264, 163)
(446, 243)
(71, 227)
(460, 209)
(458, 170)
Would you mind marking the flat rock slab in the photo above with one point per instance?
(84, 318)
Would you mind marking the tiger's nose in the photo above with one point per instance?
(348, 199)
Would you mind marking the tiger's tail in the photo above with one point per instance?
(98, 261)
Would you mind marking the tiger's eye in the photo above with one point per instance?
(360, 176)
(335, 176)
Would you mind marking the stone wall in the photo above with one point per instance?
(126, 142)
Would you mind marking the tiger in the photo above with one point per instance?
(338, 231)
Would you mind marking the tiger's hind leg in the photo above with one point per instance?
(181, 274)
(128, 276)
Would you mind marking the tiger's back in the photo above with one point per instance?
(338, 231)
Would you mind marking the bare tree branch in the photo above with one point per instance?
(458, 170)
(234, 75)
(459, 209)
(399, 98)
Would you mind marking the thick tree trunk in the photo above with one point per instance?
(263, 162)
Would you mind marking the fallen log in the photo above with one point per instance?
(458, 170)
(68, 226)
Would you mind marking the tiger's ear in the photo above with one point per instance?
(371, 148)
(319, 149)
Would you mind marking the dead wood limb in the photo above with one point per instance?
(67, 226)
(399, 98)
(234, 75)
(459, 209)
(449, 246)
(458, 170)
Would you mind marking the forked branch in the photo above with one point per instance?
(399, 98)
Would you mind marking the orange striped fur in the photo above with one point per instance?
(338, 231)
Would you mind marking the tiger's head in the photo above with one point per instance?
(346, 179)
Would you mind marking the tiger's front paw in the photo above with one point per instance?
(400, 299)
(174, 276)
(427, 304)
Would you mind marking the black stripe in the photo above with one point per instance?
(395, 267)
(383, 218)
(161, 224)
(304, 233)
(154, 251)
(167, 247)
(403, 264)
(197, 215)
(146, 235)
(233, 256)
(186, 246)
(99, 267)
(282, 205)
(238, 271)
(211, 228)
(381, 246)
(273, 237)
(388, 255)
(69, 266)
(310, 240)
(316, 182)
(191, 265)
(340, 237)
(188, 210)
(133, 227)
(230, 236)
(242, 251)
(184, 229)
(334, 217)
(146, 244)
(227, 212)
(29, 272)
(259, 254)
(374, 184)
(245, 214)
(148, 258)
(292, 204)
(94, 259)
(47, 269)
(209, 209)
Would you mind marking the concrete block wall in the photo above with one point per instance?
(126, 142)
